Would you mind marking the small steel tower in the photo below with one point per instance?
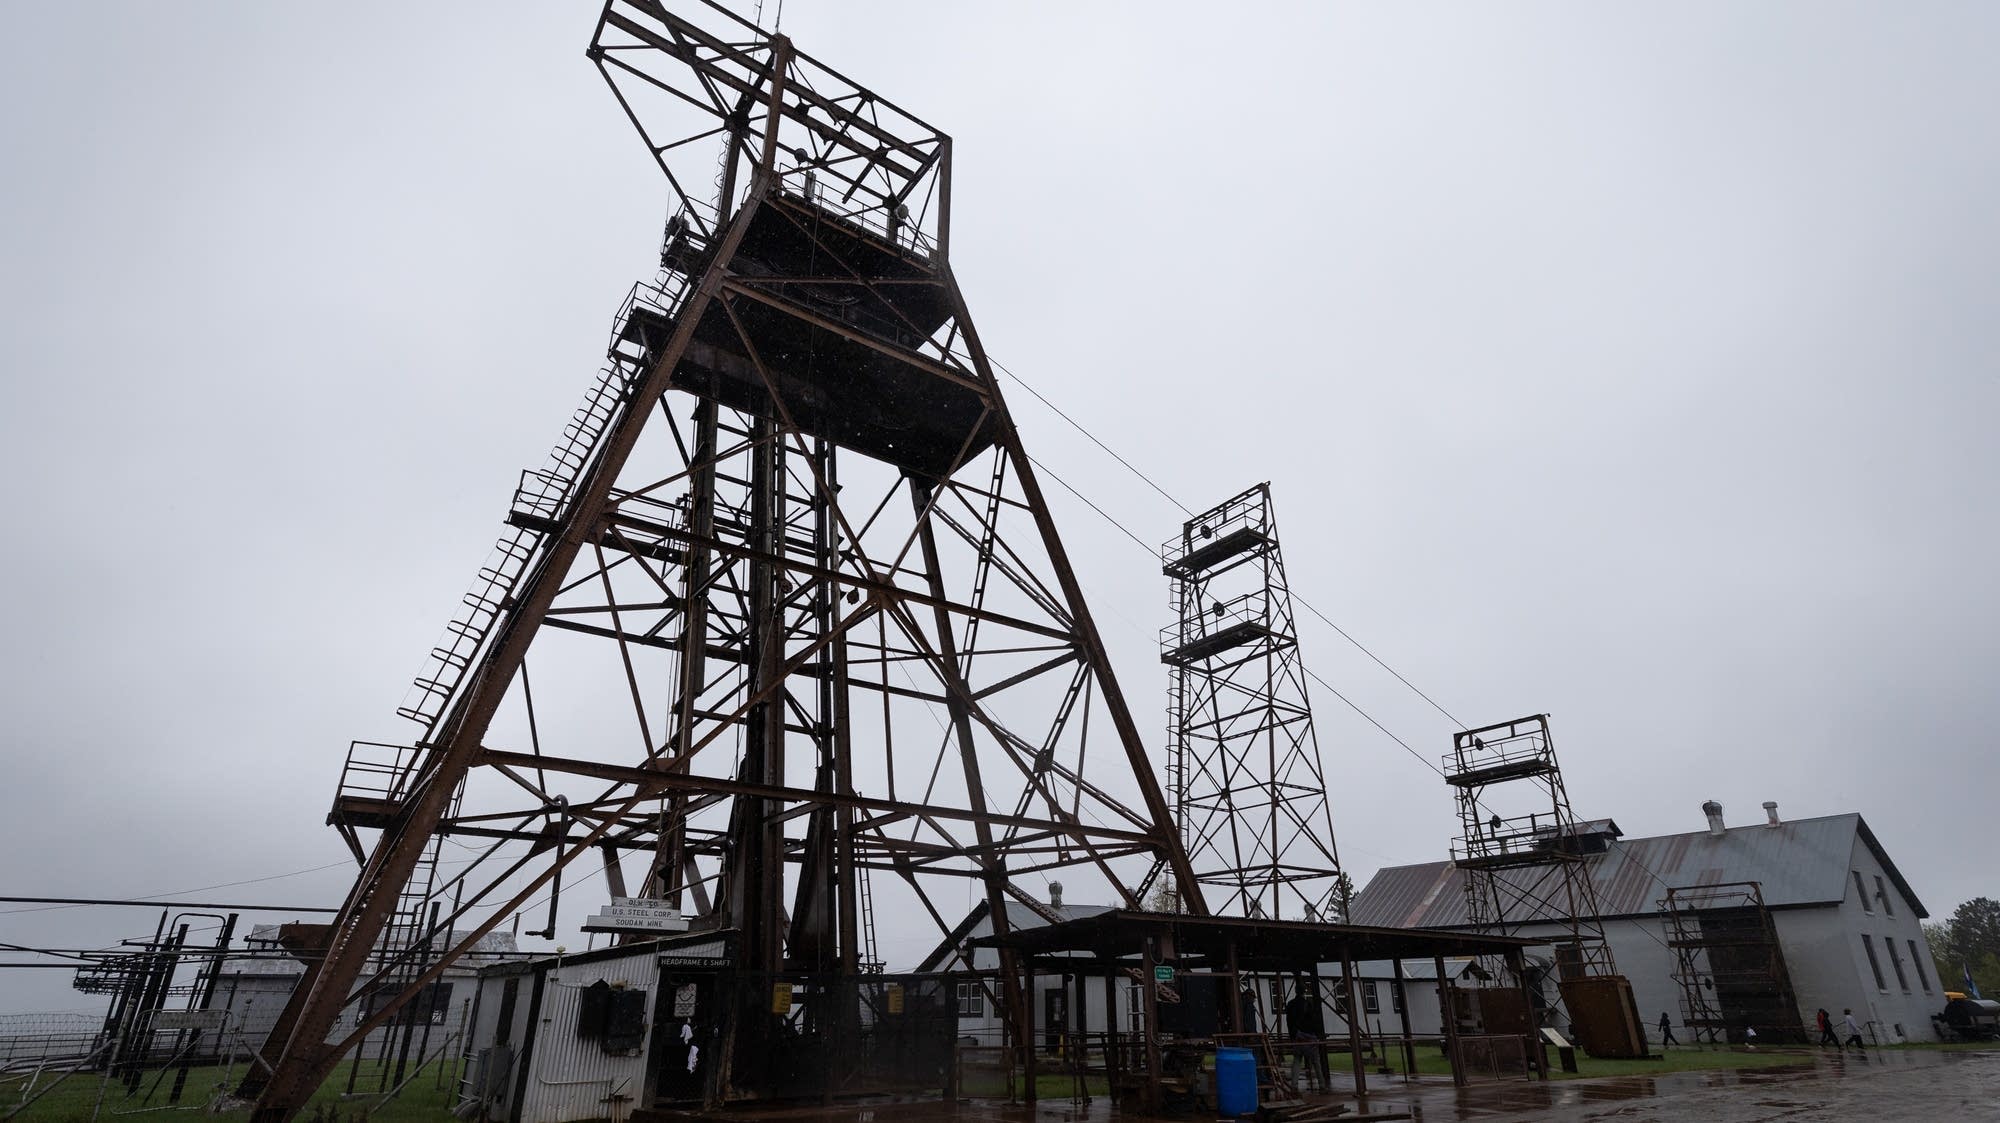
(1520, 850)
(1523, 856)
(1244, 770)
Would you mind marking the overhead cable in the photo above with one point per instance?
(1185, 509)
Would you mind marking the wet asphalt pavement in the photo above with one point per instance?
(1899, 1085)
(1902, 1085)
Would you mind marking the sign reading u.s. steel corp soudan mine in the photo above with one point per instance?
(636, 914)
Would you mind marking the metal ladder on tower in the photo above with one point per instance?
(407, 943)
(540, 500)
(1177, 777)
(408, 928)
(871, 960)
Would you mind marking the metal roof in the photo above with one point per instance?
(1115, 937)
(1798, 862)
(1019, 916)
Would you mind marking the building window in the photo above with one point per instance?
(1875, 965)
(1896, 961)
(971, 1001)
(1861, 891)
(1917, 963)
(1368, 1000)
(1882, 895)
(1396, 998)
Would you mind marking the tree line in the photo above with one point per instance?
(1968, 943)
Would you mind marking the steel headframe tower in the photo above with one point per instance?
(797, 605)
(1520, 849)
(1244, 769)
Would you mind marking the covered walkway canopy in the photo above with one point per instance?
(1166, 953)
(1257, 945)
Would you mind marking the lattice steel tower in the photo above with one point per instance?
(796, 605)
(1520, 849)
(1244, 770)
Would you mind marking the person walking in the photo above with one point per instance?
(1826, 1036)
(1666, 1031)
(1851, 1028)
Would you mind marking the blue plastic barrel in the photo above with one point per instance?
(1235, 1082)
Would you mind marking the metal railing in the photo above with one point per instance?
(804, 186)
(1250, 608)
(543, 495)
(378, 771)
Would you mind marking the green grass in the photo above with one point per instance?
(1431, 1062)
(74, 1098)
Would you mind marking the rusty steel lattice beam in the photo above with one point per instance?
(1244, 769)
(797, 609)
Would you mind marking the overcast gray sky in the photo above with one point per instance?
(1631, 363)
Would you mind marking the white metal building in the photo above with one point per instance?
(1848, 923)
(978, 1018)
(597, 1034)
(254, 987)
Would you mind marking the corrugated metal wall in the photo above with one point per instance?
(255, 1001)
(571, 1077)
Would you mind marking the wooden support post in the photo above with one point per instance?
(1537, 1049)
(1079, 1036)
(1351, 987)
(1112, 1067)
(1235, 1022)
(1403, 1005)
(1449, 1014)
(1028, 1065)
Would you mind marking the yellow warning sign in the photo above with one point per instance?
(895, 991)
(781, 998)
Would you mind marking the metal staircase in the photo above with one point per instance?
(543, 494)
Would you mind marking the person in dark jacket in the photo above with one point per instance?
(1306, 1024)
(1666, 1031)
(1826, 1036)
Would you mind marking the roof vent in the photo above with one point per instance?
(1771, 813)
(1713, 810)
(1055, 894)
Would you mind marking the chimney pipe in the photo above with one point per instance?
(1055, 894)
(1771, 813)
(1713, 810)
